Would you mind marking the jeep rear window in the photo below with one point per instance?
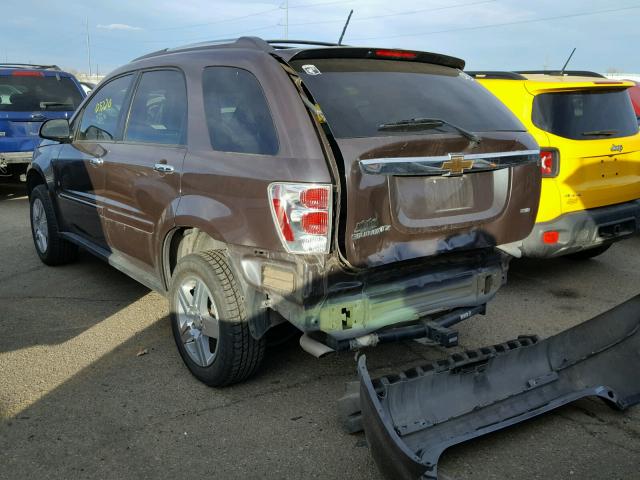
(585, 114)
(38, 93)
(359, 95)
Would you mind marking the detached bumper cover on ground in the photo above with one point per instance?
(410, 419)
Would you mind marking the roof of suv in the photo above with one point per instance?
(305, 49)
(29, 68)
(543, 81)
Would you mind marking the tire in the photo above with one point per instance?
(205, 300)
(51, 248)
(590, 253)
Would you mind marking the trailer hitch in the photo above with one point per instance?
(409, 419)
(437, 329)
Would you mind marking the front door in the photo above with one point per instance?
(80, 167)
(143, 171)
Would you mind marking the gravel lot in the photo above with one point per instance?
(77, 401)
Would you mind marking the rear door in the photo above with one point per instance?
(28, 98)
(597, 132)
(425, 188)
(143, 171)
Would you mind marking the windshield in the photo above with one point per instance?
(585, 115)
(32, 94)
(359, 95)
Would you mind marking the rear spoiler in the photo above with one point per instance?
(377, 53)
(410, 419)
(448, 165)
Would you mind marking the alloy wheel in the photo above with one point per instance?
(197, 320)
(40, 227)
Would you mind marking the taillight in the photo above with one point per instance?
(316, 223)
(26, 73)
(398, 54)
(315, 198)
(282, 220)
(549, 163)
(302, 216)
(551, 237)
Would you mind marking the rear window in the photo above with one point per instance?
(238, 116)
(359, 95)
(159, 109)
(32, 94)
(584, 115)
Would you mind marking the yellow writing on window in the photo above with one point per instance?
(104, 105)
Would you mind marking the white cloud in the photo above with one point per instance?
(118, 26)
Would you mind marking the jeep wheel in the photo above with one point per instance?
(51, 248)
(590, 253)
(209, 321)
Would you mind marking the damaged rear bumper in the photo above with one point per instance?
(393, 296)
(411, 418)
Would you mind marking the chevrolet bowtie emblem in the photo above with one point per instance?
(456, 165)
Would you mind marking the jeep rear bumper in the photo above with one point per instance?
(583, 230)
(411, 418)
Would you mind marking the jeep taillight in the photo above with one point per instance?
(302, 216)
(549, 163)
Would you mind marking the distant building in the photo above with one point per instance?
(84, 77)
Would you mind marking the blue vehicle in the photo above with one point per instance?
(29, 95)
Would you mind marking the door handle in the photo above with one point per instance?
(96, 161)
(163, 168)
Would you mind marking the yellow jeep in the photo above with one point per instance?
(589, 156)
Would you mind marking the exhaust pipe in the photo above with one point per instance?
(314, 347)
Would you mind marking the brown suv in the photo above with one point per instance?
(357, 193)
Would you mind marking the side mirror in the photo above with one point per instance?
(56, 129)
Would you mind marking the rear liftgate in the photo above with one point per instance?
(411, 418)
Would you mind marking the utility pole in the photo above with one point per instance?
(285, 7)
(88, 46)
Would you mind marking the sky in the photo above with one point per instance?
(488, 34)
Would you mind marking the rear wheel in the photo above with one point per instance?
(590, 253)
(51, 248)
(209, 321)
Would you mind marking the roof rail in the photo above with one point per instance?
(241, 42)
(496, 75)
(29, 65)
(568, 73)
(285, 43)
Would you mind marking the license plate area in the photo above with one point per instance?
(419, 203)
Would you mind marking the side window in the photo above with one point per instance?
(159, 109)
(103, 113)
(237, 113)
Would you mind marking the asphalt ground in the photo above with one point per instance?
(91, 384)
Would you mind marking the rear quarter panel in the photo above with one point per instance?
(226, 194)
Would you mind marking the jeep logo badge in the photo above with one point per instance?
(456, 165)
(616, 148)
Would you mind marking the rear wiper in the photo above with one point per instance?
(416, 124)
(598, 133)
